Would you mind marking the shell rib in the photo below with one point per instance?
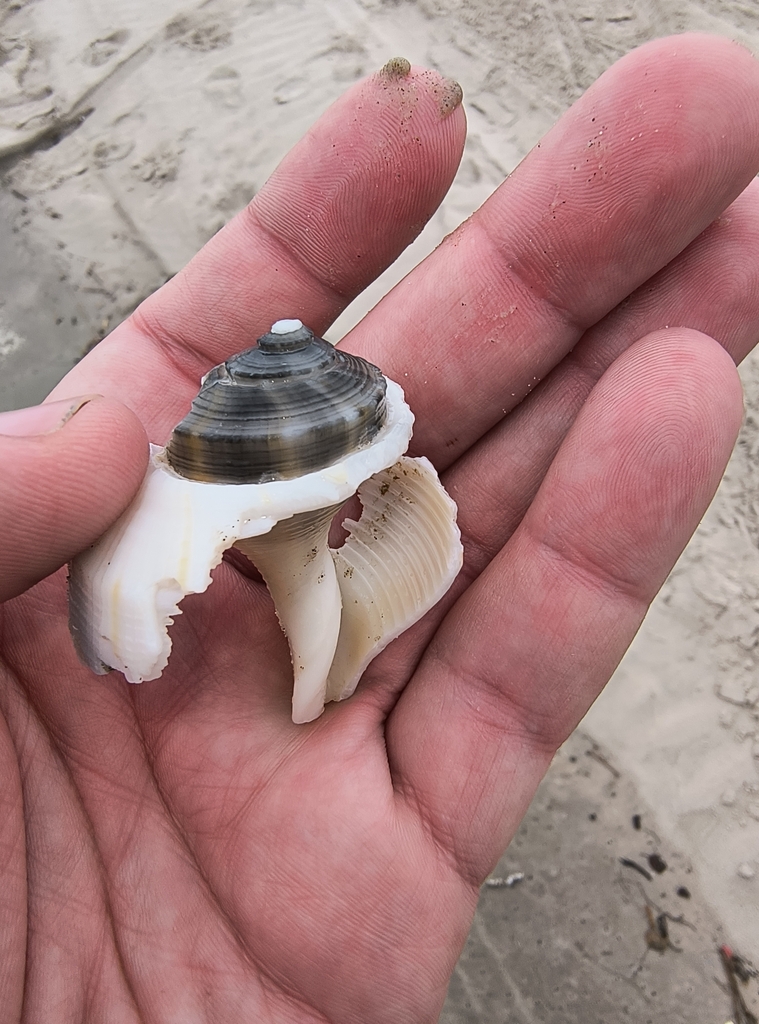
(339, 609)
(399, 559)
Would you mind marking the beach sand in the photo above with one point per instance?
(130, 132)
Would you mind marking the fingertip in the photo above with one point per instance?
(401, 74)
(707, 45)
(641, 464)
(689, 56)
(63, 489)
(686, 366)
(103, 426)
(103, 451)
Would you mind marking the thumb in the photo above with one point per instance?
(67, 471)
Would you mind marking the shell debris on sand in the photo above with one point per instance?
(277, 440)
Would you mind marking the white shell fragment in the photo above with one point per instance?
(339, 609)
(400, 558)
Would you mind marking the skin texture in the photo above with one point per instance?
(180, 851)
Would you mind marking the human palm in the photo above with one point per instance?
(181, 851)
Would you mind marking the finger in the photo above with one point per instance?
(338, 210)
(713, 287)
(69, 469)
(522, 655)
(633, 172)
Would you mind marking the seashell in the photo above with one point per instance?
(290, 404)
(278, 439)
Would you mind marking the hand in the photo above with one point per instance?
(180, 850)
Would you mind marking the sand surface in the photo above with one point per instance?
(130, 131)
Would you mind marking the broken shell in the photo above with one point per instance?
(276, 442)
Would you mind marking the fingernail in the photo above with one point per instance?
(41, 419)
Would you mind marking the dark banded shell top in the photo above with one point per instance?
(288, 406)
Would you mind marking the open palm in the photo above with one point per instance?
(180, 851)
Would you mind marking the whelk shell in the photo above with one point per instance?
(278, 439)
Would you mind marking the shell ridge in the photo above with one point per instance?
(290, 403)
(382, 567)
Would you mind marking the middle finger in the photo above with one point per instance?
(712, 287)
(630, 175)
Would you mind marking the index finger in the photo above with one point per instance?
(346, 201)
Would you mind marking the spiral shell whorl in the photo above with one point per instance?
(289, 405)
